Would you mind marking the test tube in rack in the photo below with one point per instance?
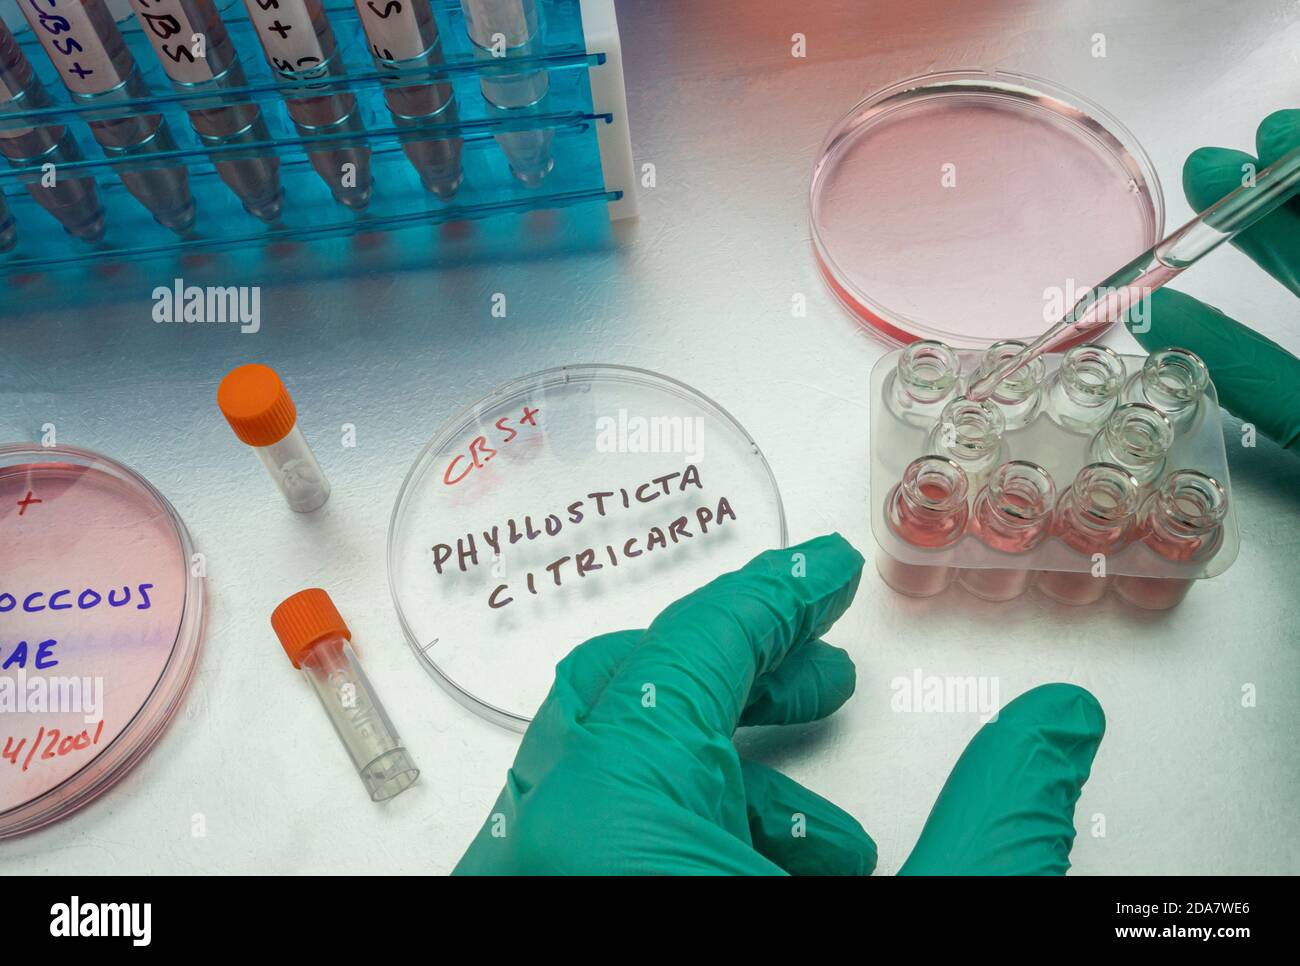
(499, 28)
(299, 45)
(96, 67)
(403, 34)
(176, 29)
(74, 202)
(8, 230)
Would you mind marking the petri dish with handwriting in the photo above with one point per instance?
(101, 615)
(563, 505)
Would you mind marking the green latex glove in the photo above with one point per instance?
(629, 766)
(1257, 380)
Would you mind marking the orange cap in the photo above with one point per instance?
(256, 404)
(304, 620)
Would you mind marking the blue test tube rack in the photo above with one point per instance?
(585, 108)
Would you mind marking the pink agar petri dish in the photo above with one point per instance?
(967, 206)
(101, 616)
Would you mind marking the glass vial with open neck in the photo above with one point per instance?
(1094, 517)
(1084, 391)
(970, 434)
(1137, 437)
(1019, 397)
(1182, 522)
(928, 510)
(1013, 515)
(1174, 381)
(924, 381)
(262, 414)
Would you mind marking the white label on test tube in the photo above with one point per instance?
(171, 32)
(285, 29)
(68, 35)
(392, 28)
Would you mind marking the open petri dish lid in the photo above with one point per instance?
(101, 616)
(566, 504)
(967, 206)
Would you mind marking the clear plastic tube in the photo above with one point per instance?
(403, 34)
(1094, 517)
(171, 26)
(927, 509)
(293, 466)
(1137, 437)
(1182, 522)
(497, 28)
(1085, 389)
(300, 47)
(515, 21)
(923, 383)
(336, 675)
(317, 642)
(96, 66)
(262, 414)
(1013, 515)
(74, 202)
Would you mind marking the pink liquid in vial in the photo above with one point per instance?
(1152, 593)
(1181, 522)
(927, 510)
(1095, 516)
(1013, 515)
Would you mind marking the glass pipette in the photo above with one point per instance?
(1104, 303)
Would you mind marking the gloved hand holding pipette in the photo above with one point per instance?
(629, 765)
(1256, 379)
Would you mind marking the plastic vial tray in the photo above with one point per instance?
(894, 444)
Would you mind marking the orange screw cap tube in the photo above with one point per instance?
(318, 643)
(262, 414)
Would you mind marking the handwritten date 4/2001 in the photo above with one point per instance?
(56, 745)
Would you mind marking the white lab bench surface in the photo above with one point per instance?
(249, 778)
